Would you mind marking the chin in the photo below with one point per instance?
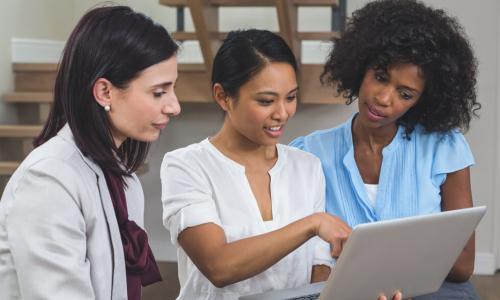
(147, 138)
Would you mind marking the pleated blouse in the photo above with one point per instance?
(412, 172)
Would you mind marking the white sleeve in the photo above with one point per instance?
(322, 254)
(186, 197)
(47, 234)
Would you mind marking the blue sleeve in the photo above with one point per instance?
(452, 153)
(298, 143)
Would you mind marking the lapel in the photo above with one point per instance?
(119, 280)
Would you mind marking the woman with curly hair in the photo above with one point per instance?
(413, 73)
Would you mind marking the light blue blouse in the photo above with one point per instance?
(411, 174)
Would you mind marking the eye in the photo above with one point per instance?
(265, 102)
(292, 98)
(159, 93)
(406, 95)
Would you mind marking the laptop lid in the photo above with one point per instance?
(413, 255)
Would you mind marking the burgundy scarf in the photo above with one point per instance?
(139, 260)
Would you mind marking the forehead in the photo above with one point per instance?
(275, 76)
(407, 74)
(165, 70)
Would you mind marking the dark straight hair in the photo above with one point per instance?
(244, 53)
(112, 42)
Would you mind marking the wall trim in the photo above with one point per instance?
(35, 50)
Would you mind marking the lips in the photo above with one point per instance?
(274, 131)
(160, 125)
(374, 113)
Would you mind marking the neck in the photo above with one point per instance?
(241, 149)
(375, 138)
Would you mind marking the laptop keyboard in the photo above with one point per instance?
(306, 297)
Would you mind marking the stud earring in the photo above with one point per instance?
(107, 107)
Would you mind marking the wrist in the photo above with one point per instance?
(314, 222)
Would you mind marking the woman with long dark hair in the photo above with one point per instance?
(71, 216)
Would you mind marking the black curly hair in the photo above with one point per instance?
(388, 32)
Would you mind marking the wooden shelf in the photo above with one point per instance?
(29, 97)
(20, 131)
(34, 67)
(253, 2)
(8, 167)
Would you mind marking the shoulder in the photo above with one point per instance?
(436, 140)
(299, 159)
(56, 159)
(192, 160)
(187, 152)
(323, 138)
(296, 154)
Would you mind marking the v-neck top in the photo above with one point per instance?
(201, 185)
(412, 172)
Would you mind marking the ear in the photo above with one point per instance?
(221, 97)
(102, 91)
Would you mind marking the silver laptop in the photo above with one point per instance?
(413, 255)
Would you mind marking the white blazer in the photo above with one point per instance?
(59, 238)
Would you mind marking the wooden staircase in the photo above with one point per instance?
(34, 82)
(205, 14)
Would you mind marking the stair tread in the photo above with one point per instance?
(27, 67)
(304, 35)
(34, 67)
(254, 2)
(21, 131)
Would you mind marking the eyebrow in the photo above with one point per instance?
(162, 84)
(271, 93)
(411, 89)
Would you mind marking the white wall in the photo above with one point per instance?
(197, 121)
(28, 19)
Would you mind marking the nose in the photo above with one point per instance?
(172, 107)
(280, 112)
(384, 96)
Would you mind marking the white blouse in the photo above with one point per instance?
(371, 191)
(201, 185)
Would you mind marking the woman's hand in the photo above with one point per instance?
(332, 230)
(397, 296)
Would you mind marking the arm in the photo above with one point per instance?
(321, 261)
(226, 263)
(456, 194)
(47, 235)
(320, 273)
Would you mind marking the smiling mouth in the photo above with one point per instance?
(274, 131)
(274, 128)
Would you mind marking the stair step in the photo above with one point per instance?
(29, 97)
(303, 36)
(8, 167)
(254, 2)
(20, 131)
(34, 67)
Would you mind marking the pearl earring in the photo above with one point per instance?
(107, 107)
